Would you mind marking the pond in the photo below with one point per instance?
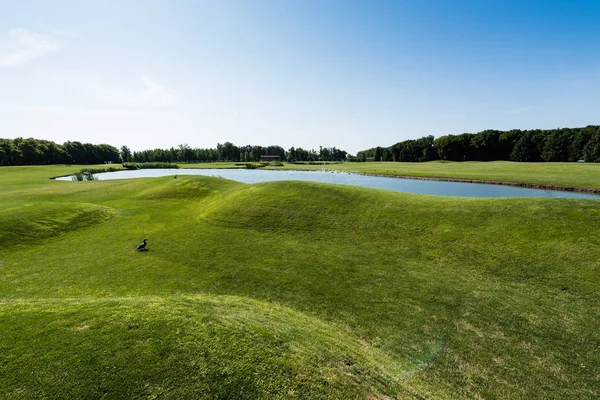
(439, 188)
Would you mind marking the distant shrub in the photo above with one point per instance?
(150, 165)
(275, 164)
(316, 162)
(84, 175)
(87, 174)
(100, 170)
(256, 165)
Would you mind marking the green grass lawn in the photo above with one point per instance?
(295, 290)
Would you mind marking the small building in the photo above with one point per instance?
(269, 158)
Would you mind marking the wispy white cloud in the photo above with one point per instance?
(21, 45)
(156, 94)
(147, 94)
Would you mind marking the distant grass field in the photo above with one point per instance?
(293, 290)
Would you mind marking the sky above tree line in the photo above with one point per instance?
(350, 74)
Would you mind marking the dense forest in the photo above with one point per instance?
(230, 152)
(32, 151)
(563, 144)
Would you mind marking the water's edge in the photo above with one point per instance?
(543, 186)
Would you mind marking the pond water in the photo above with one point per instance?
(439, 188)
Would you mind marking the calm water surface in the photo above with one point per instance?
(439, 188)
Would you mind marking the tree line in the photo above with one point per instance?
(562, 144)
(32, 151)
(230, 152)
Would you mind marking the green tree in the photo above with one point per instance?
(454, 147)
(591, 152)
(125, 154)
(378, 153)
(527, 148)
(555, 147)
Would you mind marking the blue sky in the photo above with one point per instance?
(350, 74)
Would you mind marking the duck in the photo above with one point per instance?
(142, 246)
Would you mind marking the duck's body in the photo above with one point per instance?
(142, 246)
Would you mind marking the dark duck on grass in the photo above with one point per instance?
(142, 246)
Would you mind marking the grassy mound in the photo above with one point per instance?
(293, 289)
(184, 347)
(289, 206)
(183, 188)
(455, 231)
(26, 223)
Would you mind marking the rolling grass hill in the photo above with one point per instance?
(292, 290)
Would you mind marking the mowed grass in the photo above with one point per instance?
(292, 290)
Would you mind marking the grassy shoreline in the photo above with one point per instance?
(559, 176)
(553, 176)
(488, 182)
